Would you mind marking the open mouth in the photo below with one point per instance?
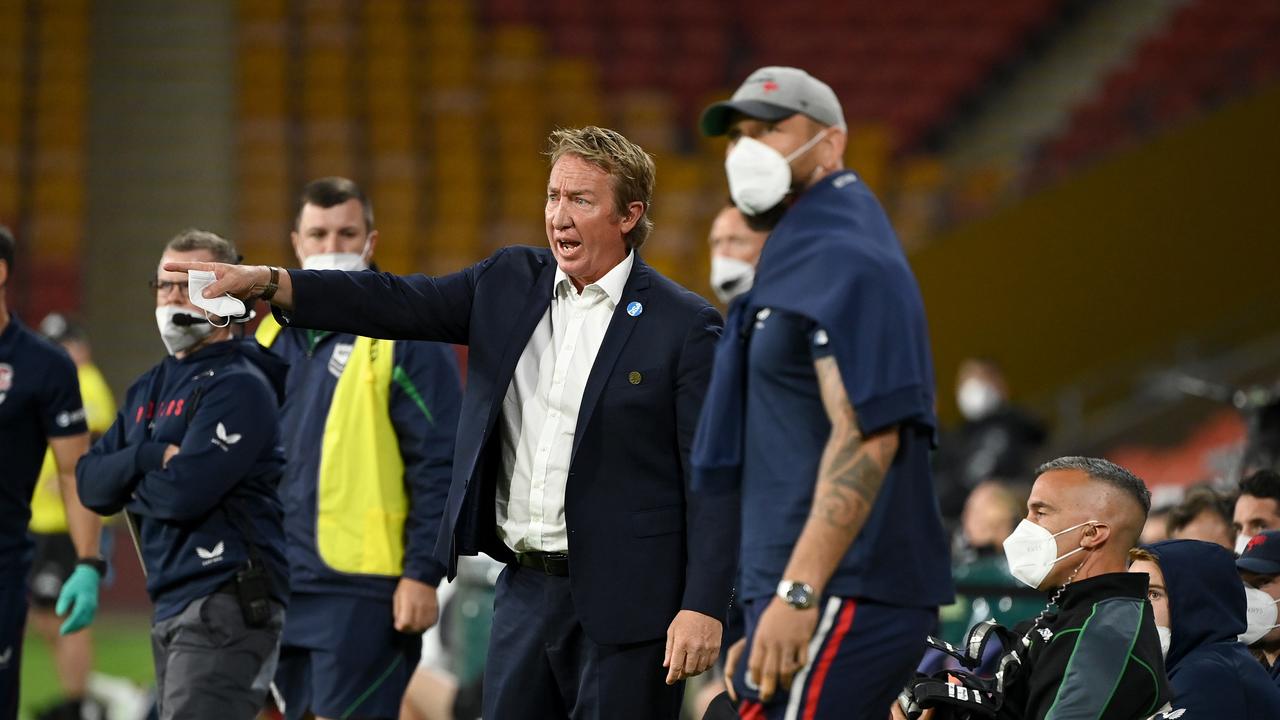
(568, 245)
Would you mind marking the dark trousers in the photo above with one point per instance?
(542, 666)
(13, 620)
(210, 665)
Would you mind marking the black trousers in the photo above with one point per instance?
(542, 666)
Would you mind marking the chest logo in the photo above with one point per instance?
(634, 309)
(1046, 634)
(209, 557)
(223, 439)
(338, 360)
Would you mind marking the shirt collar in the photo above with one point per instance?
(612, 283)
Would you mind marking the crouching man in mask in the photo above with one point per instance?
(1094, 652)
(1199, 605)
(194, 456)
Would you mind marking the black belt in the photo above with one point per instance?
(551, 563)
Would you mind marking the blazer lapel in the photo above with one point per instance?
(615, 338)
(537, 302)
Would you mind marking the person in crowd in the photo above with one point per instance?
(821, 412)
(1163, 500)
(735, 250)
(1259, 568)
(1202, 515)
(195, 457)
(1257, 507)
(996, 438)
(368, 432)
(55, 553)
(40, 408)
(586, 373)
(1199, 605)
(1099, 630)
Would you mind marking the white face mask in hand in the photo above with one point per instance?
(351, 262)
(759, 176)
(179, 337)
(731, 277)
(1260, 614)
(1032, 553)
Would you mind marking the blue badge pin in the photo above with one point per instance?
(634, 309)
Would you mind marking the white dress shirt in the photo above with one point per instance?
(540, 410)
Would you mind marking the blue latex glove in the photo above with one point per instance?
(79, 596)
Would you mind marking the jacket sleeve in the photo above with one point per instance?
(425, 401)
(234, 421)
(107, 474)
(383, 305)
(711, 519)
(1077, 679)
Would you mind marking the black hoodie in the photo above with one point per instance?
(200, 514)
(1212, 673)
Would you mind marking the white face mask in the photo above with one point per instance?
(1242, 543)
(1031, 551)
(1166, 637)
(731, 277)
(350, 262)
(759, 176)
(1260, 614)
(179, 337)
(977, 399)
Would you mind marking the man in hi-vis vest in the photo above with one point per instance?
(368, 432)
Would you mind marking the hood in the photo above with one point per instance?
(1206, 596)
(275, 369)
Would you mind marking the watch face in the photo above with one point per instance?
(797, 596)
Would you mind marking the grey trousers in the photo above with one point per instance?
(209, 664)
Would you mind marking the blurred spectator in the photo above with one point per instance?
(984, 587)
(1202, 515)
(735, 250)
(1163, 501)
(1259, 568)
(997, 439)
(55, 556)
(1199, 606)
(1257, 507)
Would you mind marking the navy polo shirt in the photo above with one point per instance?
(833, 281)
(39, 399)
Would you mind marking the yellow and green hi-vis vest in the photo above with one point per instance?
(361, 499)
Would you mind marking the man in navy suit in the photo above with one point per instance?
(587, 371)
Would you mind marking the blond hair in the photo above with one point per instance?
(628, 164)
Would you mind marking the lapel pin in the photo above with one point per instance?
(634, 309)
(634, 377)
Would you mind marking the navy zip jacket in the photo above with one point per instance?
(1212, 673)
(198, 515)
(425, 399)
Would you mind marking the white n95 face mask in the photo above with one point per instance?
(351, 262)
(977, 399)
(1260, 615)
(731, 277)
(759, 176)
(224, 306)
(1242, 543)
(1032, 553)
(177, 338)
(1166, 638)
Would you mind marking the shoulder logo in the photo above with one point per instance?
(338, 360)
(223, 439)
(209, 557)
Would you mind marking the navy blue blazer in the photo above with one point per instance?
(642, 546)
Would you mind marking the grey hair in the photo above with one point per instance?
(223, 250)
(1104, 471)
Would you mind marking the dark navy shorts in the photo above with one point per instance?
(861, 657)
(13, 621)
(342, 657)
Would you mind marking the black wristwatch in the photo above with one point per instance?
(96, 563)
(796, 594)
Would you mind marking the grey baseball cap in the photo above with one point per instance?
(775, 93)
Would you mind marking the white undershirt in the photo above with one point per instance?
(540, 410)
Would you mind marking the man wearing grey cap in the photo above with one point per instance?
(821, 412)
